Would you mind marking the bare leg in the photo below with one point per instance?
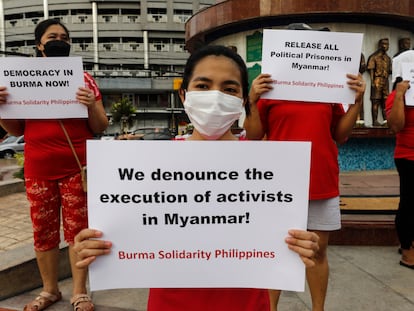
(274, 296)
(80, 300)
(47, 262)
(78, 275)
(318, 275)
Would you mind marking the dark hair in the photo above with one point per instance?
(41, 29)
(397, 80)
(217, 50)
(380, 41)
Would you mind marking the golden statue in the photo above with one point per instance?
(379, 67)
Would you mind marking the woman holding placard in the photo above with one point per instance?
(52, 174)
(214, 88)
(400, 118)
(325, 125)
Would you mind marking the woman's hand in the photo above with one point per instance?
(402, 87)
(396, 115)
(88, 248)
(12, 126)
(262, 84)
(357, 83)
(86, 97)
(305, 243)
(3, 95)
(97, 118)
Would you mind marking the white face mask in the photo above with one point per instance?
(212, 112)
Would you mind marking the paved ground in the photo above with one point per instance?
(15, 226)
(362, 277)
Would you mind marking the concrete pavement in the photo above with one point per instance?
(361, 277)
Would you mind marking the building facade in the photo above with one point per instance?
(134, 49)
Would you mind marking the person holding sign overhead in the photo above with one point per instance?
(214, 87)
(52, 174)
(325, 125)
(400, 117)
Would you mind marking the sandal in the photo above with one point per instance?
(42, 301)
(82, 302)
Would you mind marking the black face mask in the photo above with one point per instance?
(56, 48)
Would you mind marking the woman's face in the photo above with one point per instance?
(218, 73)
(53, 32)
(214, 73)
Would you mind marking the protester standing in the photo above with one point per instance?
(400, 119)
(325, 125)
(52, 174)
(213, 91)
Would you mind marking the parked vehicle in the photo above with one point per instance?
(148, 133)
(10, 146)
(156, 133)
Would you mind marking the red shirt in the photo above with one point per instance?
(47, 151)
(314, 122)
(404, 143)
(208, 299)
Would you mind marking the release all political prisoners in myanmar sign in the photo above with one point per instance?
(198, 213)
(309, 65)
(42, 87)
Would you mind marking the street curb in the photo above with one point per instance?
(11, 186)
(19, 272)
(18, 267)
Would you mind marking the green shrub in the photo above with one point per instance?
(20, 161)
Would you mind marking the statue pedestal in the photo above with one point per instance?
(371, 132)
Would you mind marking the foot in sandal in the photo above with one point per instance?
(42, 301)
(82, 302)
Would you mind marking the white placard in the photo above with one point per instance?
(227, 231)
(42, 87)
(408, 74)
(311, 65)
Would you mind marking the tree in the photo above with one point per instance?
(122, 112)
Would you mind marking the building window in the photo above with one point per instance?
(179, 45)
(82, 44)
(131, 15)
(81, 16)
(109, 44)
(14, 20)
(108, 15)
(58, 13)
(157, 15)
(33, 18)
(159, 45)
(181, 16)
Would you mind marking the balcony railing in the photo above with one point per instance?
(113, 73)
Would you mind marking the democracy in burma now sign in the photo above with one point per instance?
(42, 87)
